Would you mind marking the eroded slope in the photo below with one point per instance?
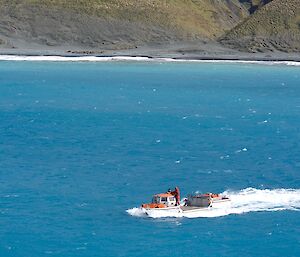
(114, 23)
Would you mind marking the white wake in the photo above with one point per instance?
(243, 201)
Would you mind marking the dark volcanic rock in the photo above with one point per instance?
(254, 5)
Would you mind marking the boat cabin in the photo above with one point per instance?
(167, 198)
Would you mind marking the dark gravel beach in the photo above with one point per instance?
(180, 50)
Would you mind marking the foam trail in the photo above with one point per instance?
(243, 201)
(49, 58)
(138, 212)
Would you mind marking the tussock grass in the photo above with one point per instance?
(273, 27)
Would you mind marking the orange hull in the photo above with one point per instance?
(153, 205)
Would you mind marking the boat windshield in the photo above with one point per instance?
(155, 199)
(164, 199)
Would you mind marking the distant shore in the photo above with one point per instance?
(175, 52)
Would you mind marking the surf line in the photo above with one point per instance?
(53, 58)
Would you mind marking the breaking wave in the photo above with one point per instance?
(131, 58)
(243, 201)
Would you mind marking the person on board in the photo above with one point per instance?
(176, 193)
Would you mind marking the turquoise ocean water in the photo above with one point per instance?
(82, 143)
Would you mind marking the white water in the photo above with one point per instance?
(243, 201)
(131, 58)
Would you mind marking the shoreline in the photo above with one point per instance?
(143, 58)
(172, 52)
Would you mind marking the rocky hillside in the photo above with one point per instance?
(244, 25)
(116, 24)
(274, 27)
